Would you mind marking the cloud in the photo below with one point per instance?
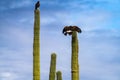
(70, 5)
(17, 36)
(14, 4)
(89, 19)
(8, 76)
(16, 64)
(19, 4)
(98, 54)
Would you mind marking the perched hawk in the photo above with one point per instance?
(37, 5)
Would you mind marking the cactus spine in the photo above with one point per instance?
(74, 57)
(36, 46)
(59, 75)
(52, 67)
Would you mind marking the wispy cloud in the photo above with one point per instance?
(19, 4)
(8, 76)
(14, 4)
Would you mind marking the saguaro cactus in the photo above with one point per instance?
(52, 67)
(59, 75)
(72, 30)
(36, 46)
(74, 62)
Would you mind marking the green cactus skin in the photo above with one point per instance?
(74, 57)
(59, 75)
(52, 67)
(36, 46)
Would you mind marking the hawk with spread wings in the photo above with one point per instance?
(70, 29)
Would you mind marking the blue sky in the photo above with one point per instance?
(99, 43)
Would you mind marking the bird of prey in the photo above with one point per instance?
(70, 29)
(37, 5)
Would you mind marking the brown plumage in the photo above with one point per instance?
(37, 5)
(70, 29)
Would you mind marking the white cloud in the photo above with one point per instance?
(17, 36)
(8, 76)
(16, 57)
(87, 20)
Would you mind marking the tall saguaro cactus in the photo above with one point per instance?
(72, 30)
(59, 75)
(52, 67)
(36, 44)
(74, 62)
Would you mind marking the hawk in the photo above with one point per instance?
(37, 5)
(70, 29)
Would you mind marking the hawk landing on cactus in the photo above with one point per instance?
(69, 30)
